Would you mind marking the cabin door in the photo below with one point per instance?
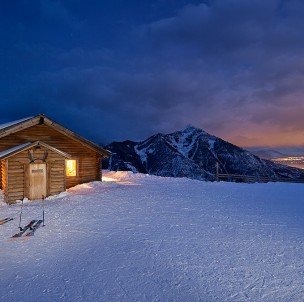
(37, 181)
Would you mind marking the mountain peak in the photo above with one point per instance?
(190, 128)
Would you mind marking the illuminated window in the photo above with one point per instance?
(71, 167)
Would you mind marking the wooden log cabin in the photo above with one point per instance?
(39, 158)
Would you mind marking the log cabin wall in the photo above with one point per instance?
(56, 176)
(15, 180)
(3, 177)
(87, 159)
(17, 173)
(1, 171)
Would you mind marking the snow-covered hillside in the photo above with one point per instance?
(146, 238)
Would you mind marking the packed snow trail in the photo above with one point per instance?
(146, 238)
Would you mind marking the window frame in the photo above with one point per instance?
(76, 170)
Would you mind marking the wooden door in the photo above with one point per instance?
(37, 181)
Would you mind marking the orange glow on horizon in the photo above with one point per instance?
(267, 138)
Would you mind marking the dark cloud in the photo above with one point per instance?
(233, 68)
(252, 51)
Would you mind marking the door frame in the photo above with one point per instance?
(32, 195)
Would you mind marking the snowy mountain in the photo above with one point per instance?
(191, 153)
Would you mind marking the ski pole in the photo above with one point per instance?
(20, 228)
(43, 210)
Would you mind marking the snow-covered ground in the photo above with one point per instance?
(145, 238)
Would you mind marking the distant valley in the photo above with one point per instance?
(290, 156)
(292, 161)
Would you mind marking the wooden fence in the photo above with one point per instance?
(251, 179)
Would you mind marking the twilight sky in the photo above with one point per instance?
(115, 70)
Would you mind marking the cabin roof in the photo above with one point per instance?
(17, 149)
(6, 125)
(15, 126)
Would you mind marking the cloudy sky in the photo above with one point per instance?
(115, 70)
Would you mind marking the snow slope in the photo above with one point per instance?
(146, 238)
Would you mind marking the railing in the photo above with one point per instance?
(246, 178)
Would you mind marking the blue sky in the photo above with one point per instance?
(115, 70)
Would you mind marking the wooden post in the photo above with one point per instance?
(217, 171)
(99, 169)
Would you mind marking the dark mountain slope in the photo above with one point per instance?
(192, 153)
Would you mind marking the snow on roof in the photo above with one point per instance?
(59, 128)
(7, 152)
(5, 125)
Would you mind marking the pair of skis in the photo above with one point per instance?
(32, 226)
(5, 220)
(29, 229)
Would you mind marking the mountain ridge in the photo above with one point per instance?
(193, 153)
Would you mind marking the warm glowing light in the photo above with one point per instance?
(71, 167)
(292, 161)
(104, 178)
(119, 177)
